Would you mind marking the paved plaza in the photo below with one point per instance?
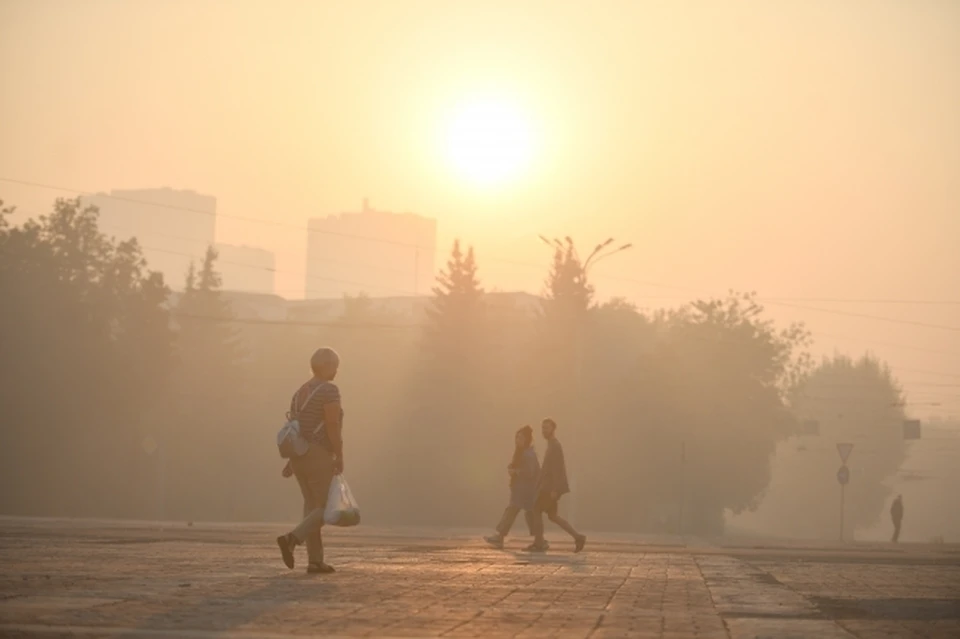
(109, 579)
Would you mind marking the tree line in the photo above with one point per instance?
(121, 399)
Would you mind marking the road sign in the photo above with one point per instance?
(844, 450)
(843, 475)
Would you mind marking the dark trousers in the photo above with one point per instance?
(896, 530)
(510, 515)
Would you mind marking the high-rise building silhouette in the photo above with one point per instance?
(374, 252)
(172, 227)
(246, 269)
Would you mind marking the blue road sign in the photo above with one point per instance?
(843, 475)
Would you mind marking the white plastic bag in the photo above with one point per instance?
(342, 508)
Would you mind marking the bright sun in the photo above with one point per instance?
(489, 142)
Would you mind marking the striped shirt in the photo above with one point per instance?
(310, 415)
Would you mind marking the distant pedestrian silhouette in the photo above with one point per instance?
(524, 471)
(896, 513)
(551, 487)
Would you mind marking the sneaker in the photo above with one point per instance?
(537, 547)
(494, 540)
(320, 569)
(286, 549)
(580, 543)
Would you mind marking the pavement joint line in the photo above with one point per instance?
(463, 589)
(462, 624)
(39, 630)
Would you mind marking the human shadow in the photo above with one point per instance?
(577, 563)
(224, 613)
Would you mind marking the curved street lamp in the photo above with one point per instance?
(600, 251)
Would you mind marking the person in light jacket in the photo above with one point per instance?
(524, 471)
(551, 486)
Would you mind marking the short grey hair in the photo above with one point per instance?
(324, 359)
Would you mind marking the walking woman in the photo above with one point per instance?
(317, 407)
(524, 471)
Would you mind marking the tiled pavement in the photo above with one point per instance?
(97, 579)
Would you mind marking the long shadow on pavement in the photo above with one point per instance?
(225, 614)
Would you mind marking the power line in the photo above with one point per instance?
(869, 383)
(864, 316)
(781, 301)
(270, 269)
(411, 293)
(408, 292)
(296, 227)
(259, 321)
(215, 214)
(923, 372)
(291, 322)
(274, 270)
(841, 300)
(918, 349)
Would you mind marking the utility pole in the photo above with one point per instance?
(842, 491)
(683, 482)
(843, 477)
(161, 462)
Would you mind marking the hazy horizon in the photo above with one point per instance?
(804, 150)
(798, 149)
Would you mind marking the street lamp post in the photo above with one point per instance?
(601, 251)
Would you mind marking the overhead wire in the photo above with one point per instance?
(307, 276)
(271, 269)
(784, 301)
(215, 214)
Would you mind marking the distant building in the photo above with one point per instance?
(246, 269)
(173, 227)
(373, 252)
(409, 309)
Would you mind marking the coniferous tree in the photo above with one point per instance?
(457, 312)
(568, 294)
(447, 424)
(208, 410)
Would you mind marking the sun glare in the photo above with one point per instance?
(489, 142)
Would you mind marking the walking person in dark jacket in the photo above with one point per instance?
(551, 487)
(896, 513)
(524, 471)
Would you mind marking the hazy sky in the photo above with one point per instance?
(802, 149)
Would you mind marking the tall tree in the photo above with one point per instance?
(206, 337)
(92, 348)
(692, 408)
(568, 294)
(445, 413)
(208, 410)
(561, 355)
(728, 370)
(457, 312)
(853, 400)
